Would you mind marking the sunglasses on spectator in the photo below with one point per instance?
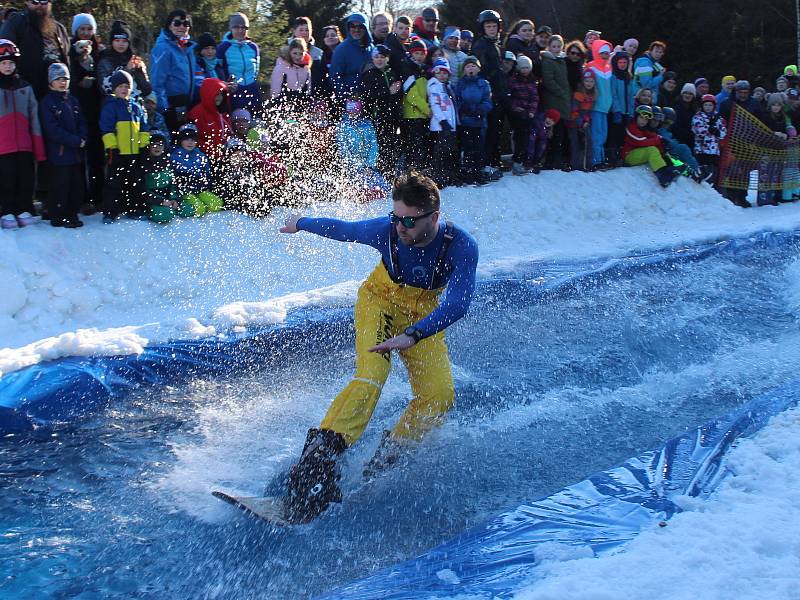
(408, 222)
(575, 53)
(355, 25)
(181, 23)
(39, 2)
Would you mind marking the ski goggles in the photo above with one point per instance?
(644, 111)
(408, 222)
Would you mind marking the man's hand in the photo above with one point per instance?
(398, 342)
(291, 223)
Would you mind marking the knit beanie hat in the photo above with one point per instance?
(466, 34)
(238, 19)
(471, 60)
(440, 64)
(430, 14)
(508, 55)
(120, 77)
(689, 88)
(120, 30)
(157, 136)
(187, 132)
(742, 84)
(699, 81)
(452, 32)
(417, 46)
(553, 115)
(790, 70)
(523, 62)
(728, 79)
(83, 19)
(381, 50)
(234, 144)
(670, 76)
(57, 71)
(241, 114)
(205, 40)
(589, 74)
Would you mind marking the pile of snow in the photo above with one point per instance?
(743, 543)
(107, 289)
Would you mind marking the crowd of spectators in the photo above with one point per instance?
(89, 125)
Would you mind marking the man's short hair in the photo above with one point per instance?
(657, 43)
(404, 19)
(417, 190)
(301, 21)
(389, 18)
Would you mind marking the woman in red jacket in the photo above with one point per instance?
(643, 146)
(212, 118)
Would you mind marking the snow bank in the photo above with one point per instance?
(744, 543)
(118, 287)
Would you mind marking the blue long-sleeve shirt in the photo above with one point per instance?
(416, 264)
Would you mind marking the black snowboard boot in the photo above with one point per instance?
(313, 480)
(390, 452)
(666, 175)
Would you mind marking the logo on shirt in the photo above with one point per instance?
(419, 272)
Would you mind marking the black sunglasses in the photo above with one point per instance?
(409, 222)
(575, 53)
(39, 2)
(181, 23)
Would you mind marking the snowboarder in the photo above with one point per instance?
(398, 308)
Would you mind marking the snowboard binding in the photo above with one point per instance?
(313, 481)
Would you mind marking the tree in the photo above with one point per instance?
(321, 12)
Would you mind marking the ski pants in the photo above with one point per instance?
(17, 179)
(599, 134)
(383, 310)
(648, 155)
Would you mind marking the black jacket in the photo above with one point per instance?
(487, 50)
(31, 64)
(382, 106)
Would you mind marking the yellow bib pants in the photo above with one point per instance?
(383, 310)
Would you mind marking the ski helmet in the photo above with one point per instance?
(643, 110)
(669, 114)
(708, 98)
(658, 114)
(487, 16)
(8, 50)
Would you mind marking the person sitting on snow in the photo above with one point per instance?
(193, 172)
(155, 183)
(358, 147)
(644, 146)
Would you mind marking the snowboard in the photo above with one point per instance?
(267, 508)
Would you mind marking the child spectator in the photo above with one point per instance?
(474, 101)
(643, 146)
(193, 172)
(622, 105)
(291, 78)
(442, 124)
(644, 97)
(155, 183)
(578, 125)
(416, 110)
(773, 174)
(21, 144)
(685, 110)
(211, 118)
(648, 71)
(381, 91)
(270, 169)
(673, 148)
(241, 60)
(709, 130)
(121, 56)
(208, 65)
(601, 66)
(455, 57)
(125, 132)
(238, 181)
(65, 134)
(541, 135)
(522, 110)
(84, 56)
(155, 120)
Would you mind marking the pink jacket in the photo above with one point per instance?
(287, 76)
(19, 121)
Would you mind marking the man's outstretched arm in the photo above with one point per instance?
(369, 232)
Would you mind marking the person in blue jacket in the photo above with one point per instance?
(423, 283)
(350, 57)
(65, 135)
(648, 72)
(473, 97)
(173, 64)
(241, 61)
(622, 105)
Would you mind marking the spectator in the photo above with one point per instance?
(701, 86)
(643, 146)
(709, 129)
(321, 84)
(473, 101)
(674, 149)
(303, 29)
(487, 50)
(351, 56)
(601, 67)
(416, 110)
(669, 93)
(542, 134)
(425, 27)
(465, 44)
(576, 53)
(579, 123)
(443, 124)
(65, 134)
(760, 96)
(648, 72)
(781, 125)
(543, 33)
(524, 103)
(125, 132)
(193, 173)
(728, 82)
(381, 90)
(173, 65)
(41, 39)
(782, 83)
(208, 64)
(155, 120)
(211, 116)
(556, 93)
(588, 40)
(520, 40)
(397, 42)
(380, 25)
(356, 139)
(643, 96)
(622, 105)
(19, 151)
(120, 56)
(454, 56)
(741, 98)
(631, 46)
(685, 110)
(84, 59)
(241, 61)
(402, 29)
(155, 183)
(291, 78)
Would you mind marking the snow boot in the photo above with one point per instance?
(665, 175)
(313, 481)
(518, 169)
(388, 454)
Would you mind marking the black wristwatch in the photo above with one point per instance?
(415, 333)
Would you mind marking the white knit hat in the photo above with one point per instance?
(689, 87)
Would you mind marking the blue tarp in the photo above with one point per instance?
(603, 513)
(72, 388)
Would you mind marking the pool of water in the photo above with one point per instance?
(550, 388)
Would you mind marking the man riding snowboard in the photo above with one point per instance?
(398, 308)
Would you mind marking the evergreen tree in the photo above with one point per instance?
(321, 12)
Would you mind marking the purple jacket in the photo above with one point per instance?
(524, 95)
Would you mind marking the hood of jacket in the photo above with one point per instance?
(620, 73)
(419, 29)
(209, 89)
(597, 63)
(551, 56)
(358, 17)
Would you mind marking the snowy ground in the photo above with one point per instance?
(113, 289)
(744, 543)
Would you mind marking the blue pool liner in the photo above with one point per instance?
(72, 388)
(603, 513)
